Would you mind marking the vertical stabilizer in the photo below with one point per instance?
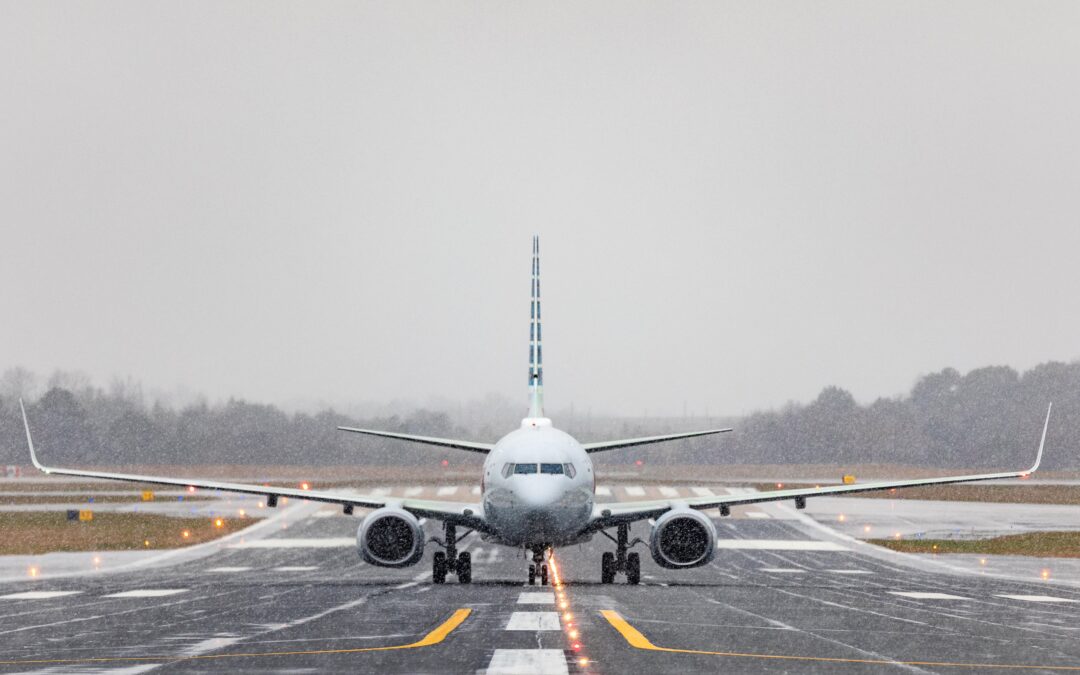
(536, 360)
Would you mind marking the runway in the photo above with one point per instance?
(779, 597)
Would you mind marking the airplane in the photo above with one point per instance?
(538, 492)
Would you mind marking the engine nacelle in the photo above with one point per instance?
(682, 538)
(390, 537)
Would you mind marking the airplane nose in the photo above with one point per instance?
(538, 493)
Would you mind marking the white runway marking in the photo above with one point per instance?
(702, 492)
(328, 542)
(783, 570)
(527, 662)
(37, 595)
(536, 599)
(533, 621)
(296, 568)
(380, 492)
(757, 514)
(779, 545)
(669, 492)
(413, 491)
(635, 491)
(1036, 598)
(147, 593)
(603, 491)
(324, 514)
(927, 596)
(850, 571)
(228, 569)
(475, 490)
(446, 491)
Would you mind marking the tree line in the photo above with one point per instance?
(988, 417)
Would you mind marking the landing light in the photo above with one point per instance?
(219, 523)
(305, 486)
(1045, 574)
(191, 488)
(33, 571)
(563, 605)
(568, 616)
(445, 463)
(583, 662)
(841, 517)
(185, 534)
(573, 634)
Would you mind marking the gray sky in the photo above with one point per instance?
(738, 203)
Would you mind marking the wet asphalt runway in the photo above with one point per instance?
(304, 609)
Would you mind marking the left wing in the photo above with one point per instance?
(609, 515)
(471, 446)
(468, 515)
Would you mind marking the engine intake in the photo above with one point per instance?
(390, 537)
(682, 538)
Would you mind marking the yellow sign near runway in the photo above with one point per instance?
(148, 495)
(86, 515)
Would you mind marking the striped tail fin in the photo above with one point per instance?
(536, 360)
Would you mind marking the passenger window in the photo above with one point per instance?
(507, 469)
(555, 469)
(569, 470)
(524, 468)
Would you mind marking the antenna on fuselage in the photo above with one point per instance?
(536, 360)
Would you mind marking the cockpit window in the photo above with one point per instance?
(551, 468)
(507, 469)
(524, 468)
(569, 470)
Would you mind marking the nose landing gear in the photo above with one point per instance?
(538, 568)
(621, 561)
(450, 560)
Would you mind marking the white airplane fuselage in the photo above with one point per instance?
(538, 487)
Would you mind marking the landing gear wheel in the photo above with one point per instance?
(607, 567)
(464, 568)
(633, 569)
(543, 575)
(532, 575)
(439, 568)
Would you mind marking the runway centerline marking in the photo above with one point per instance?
(635, 639)
(37, 595)
(296, 568)
(228, 569)
(919, 595)
(147, 593)
(603, 491)
(536, 599)
(635, 491)
(323, 542)
(783, 570)
(533, 621)
(849, 571)
(527, 662)
(779, 545)
(1036, 598)
(446, 491)
(757, 514)
(433, 638)
(413, 491)
(669, 492)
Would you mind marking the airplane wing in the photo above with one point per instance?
(426, 440)
(468, 515)
(630, 442)
(609, 515)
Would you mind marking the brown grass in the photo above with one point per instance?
(1037, 544)
(34, 532)
(83, 498)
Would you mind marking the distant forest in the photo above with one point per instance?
(989, 417)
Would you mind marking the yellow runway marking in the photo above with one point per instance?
(634, 637)
(433, 638)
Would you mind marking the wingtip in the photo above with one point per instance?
(1042, 442)
(30, 439)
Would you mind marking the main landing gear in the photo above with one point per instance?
(445, 562)
(538, 568)
(621, 561)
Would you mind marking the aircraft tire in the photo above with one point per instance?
(633, 569)
(464, 568)
(607, 567)
(438, 568)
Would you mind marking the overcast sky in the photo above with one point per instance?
(738, 203)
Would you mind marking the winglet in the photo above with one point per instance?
(1042, 442)
(29, 440)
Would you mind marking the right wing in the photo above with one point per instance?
(630, 442)
(426, 440)
(609, 515)
(468, 515)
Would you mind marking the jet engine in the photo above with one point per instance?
(682, 538)
(390, 537)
